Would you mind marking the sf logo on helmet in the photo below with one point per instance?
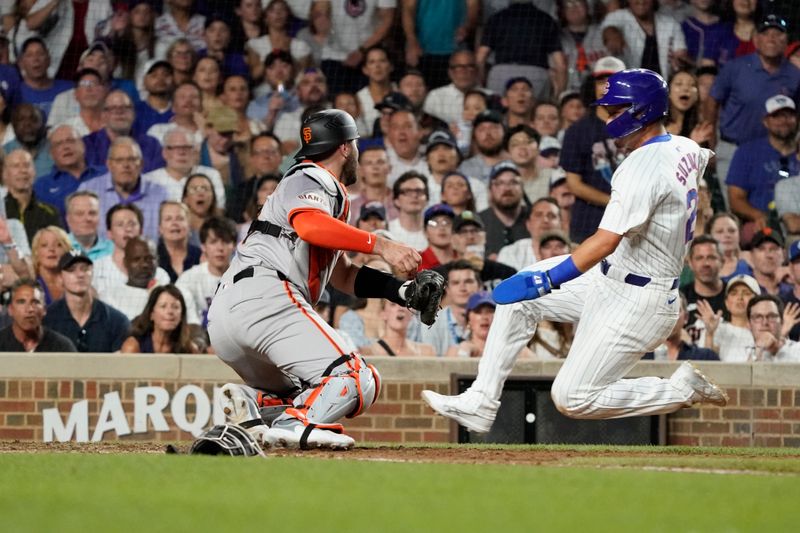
(307, 135)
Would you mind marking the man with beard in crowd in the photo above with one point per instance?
(505, 218)
(27, 121)
(487, 137)
(312, 90)
(159, 85)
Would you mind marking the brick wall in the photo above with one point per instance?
(764, 409)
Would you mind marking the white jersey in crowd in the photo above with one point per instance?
(106, 275)
(653, 204)
(733, 343)
(307, 187)
(197, 285)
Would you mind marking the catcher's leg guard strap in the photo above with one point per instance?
(372, 283)
(352, 386)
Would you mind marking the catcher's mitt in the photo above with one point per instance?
(424, 293)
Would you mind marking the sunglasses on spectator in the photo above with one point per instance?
(441, 223)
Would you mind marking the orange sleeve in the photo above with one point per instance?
(320, 229)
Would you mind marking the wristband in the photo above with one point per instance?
(563, 272)
(10, 246)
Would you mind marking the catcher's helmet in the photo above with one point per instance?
(226, 439)
(644, 91)
(325, 131)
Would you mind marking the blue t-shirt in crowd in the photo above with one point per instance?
(105, 331)
(54, 187)
(707, 41)
(42, 98)
(588, 151)
(742, 89)
(98, 143)
(756, 167)
(436, 24)
(9, 83)
(147, 116)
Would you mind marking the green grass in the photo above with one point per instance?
(79, 492)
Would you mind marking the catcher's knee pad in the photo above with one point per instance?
(349, 387)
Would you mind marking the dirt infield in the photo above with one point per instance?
(411, 454)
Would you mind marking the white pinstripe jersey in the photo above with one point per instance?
(308, 267)
(654, 205)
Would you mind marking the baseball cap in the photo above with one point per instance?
(556, 235)
(766, 234)
(72, 257)
(487, 115)
(549, 146)
(467, 218)
(503, 166)
(394, 101)
(370, 209)
(772, 21)
(606, 66)
(96, 46)
(743, 279)
(478, 299)
(558, 177)
(517, 79)
(437, 210)
(440, 137)
(154, 64)
(29, 41)
(794, 251)
(778, 102)
(223, 119)
(276, 55)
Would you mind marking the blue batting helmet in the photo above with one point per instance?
(644, 91)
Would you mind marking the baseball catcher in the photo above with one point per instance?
(262, 321)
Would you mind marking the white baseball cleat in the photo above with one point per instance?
(289, 437)
(705, 390)
(238, 402)
(471, 409)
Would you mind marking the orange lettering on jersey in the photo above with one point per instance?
(307, 135)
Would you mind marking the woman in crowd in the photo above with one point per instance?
(475, 101)
(262, 189)
(183, 58)
(457, 192)
(684, 108)
(201, 200)
(135, 44)
(208, 76)
(162, 327)
(236, 95)
(730, 338)
(277, 17)
(394, 342)
(725, 228)
(248, 24)
(315, 35)
(48, 245)
(742, 15)
(175, 253)
(581, 40)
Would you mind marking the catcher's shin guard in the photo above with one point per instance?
(348, 388)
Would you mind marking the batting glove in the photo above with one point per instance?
(527, 285)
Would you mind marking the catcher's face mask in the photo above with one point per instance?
(226, 439)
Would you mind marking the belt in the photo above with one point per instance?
(633, 279)
(249, 272)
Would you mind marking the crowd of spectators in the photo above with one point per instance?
(140, 138)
